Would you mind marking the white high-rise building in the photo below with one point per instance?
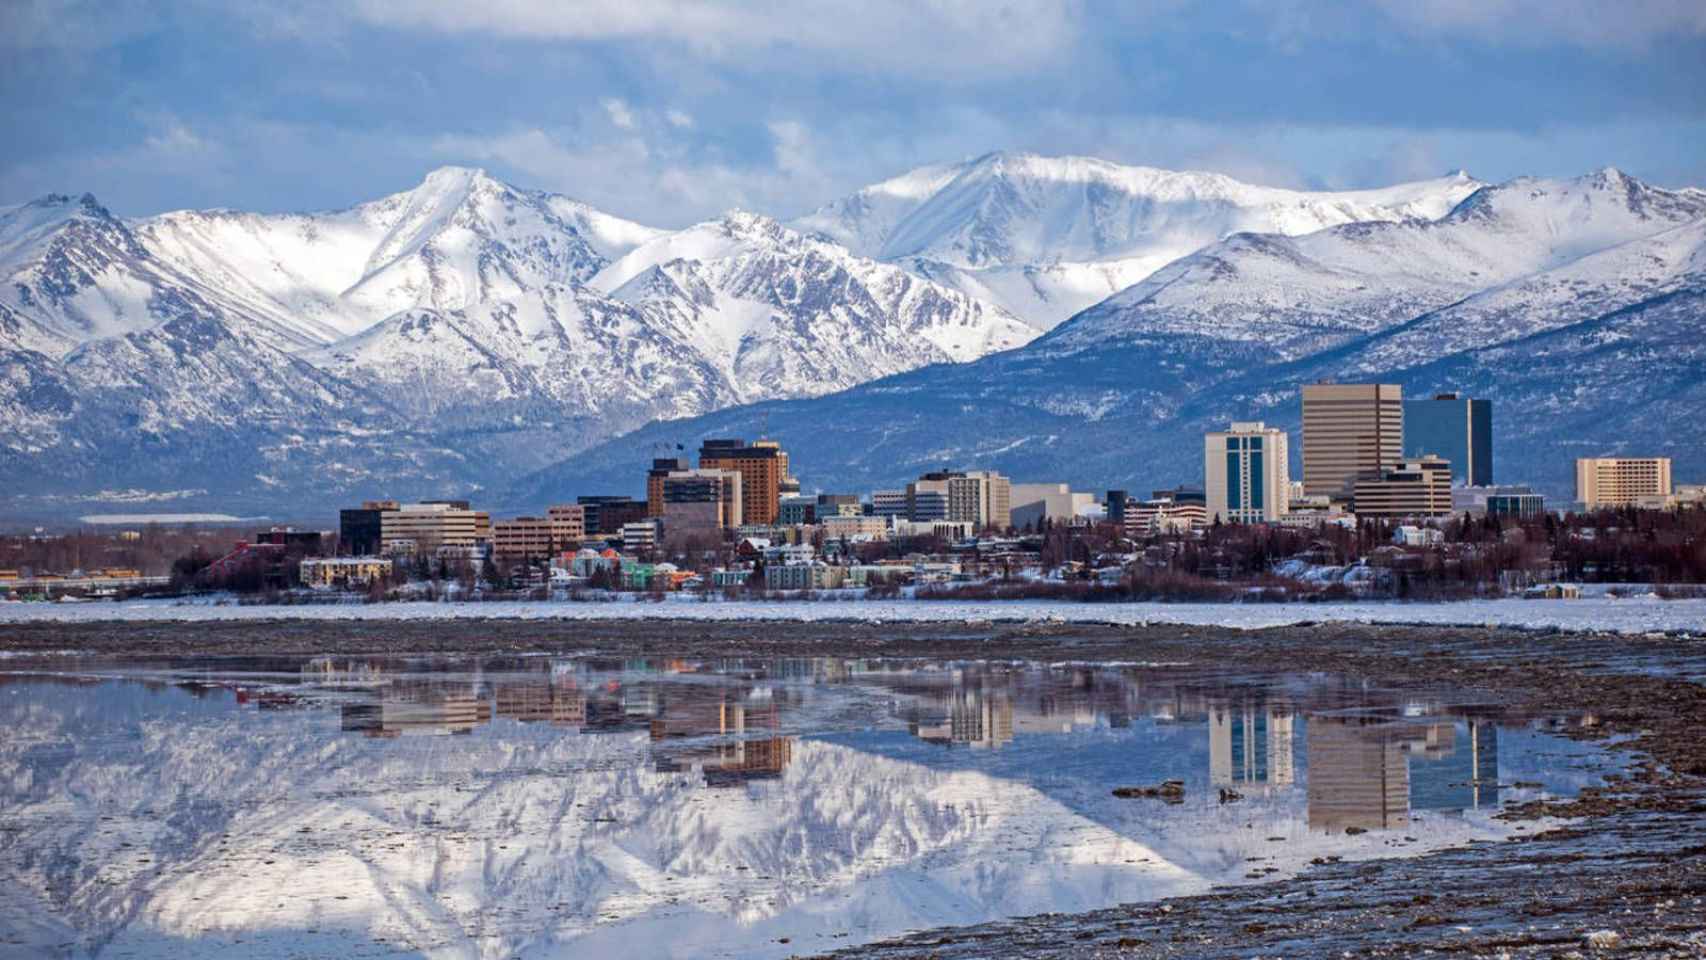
(1247, 474)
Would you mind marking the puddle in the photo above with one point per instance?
(534, 806)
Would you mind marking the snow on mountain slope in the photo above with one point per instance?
(1568, 303)
(1046, 237)
(795, 315)
(1301, 294)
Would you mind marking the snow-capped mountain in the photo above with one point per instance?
(456, 324)
(1046, 237)
(1569, 303)
(771, 305)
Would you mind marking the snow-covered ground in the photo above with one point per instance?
(1627, 615)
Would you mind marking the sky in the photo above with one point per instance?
(671, 112)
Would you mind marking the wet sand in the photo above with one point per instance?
(1626, 873)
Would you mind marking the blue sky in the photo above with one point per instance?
(669, 112)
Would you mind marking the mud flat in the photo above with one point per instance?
(1625, 872)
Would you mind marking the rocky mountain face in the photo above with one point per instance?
(1046, 237)
(444, 338)
(1578, 306)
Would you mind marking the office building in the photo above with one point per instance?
(568, 526)
(605, 515)
(1409, 488)
(1349, 429)
(763, 467)
(1247, 474)
(702, 503)
(1456, 428)
(796, 508)
(890, 504)
(661, 467)
(1505, 501)
(1620, 481)
(982, 498)
(361, 529)
(521, 540)
(1167, 511)
(639, 535)
(1035, 505)
(424, 527)
(1116, 501)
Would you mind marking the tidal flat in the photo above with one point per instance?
(527, 788)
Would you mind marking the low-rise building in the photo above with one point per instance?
(1034, 504)
(640, 535)
(1181, 510)
(343, 571)
(803, 576)
(854, 528)
(1410, 488)
(1413, 536)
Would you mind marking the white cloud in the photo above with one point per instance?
(620, 113)
(679, 119)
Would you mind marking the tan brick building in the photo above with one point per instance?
(1349, 430)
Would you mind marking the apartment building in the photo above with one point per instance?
(850, 527)
(1409, 488)
(1349, 430)
(1247, 473)
(333, 571)
(763, 466)
(1621, 481)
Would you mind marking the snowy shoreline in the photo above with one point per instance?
(1604, 614)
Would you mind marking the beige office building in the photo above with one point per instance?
(521, 538)
(568, 526)
(424, 527)
(1246, 474)
(1349, 429)
(1411, 488)
(1620, 481)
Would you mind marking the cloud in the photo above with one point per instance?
(679, 119)
(619, 112)
(909, 36)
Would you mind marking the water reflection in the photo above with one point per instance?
(528, 806)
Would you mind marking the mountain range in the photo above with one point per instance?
(1058, 318)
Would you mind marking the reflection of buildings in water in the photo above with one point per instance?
(1358, 776)
(1251, 744)
(730, 762)
(1370, 772)
(537, 701)
(1453, 773)
(976, 718)
(416, 709)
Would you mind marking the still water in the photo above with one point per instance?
(584, 807)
